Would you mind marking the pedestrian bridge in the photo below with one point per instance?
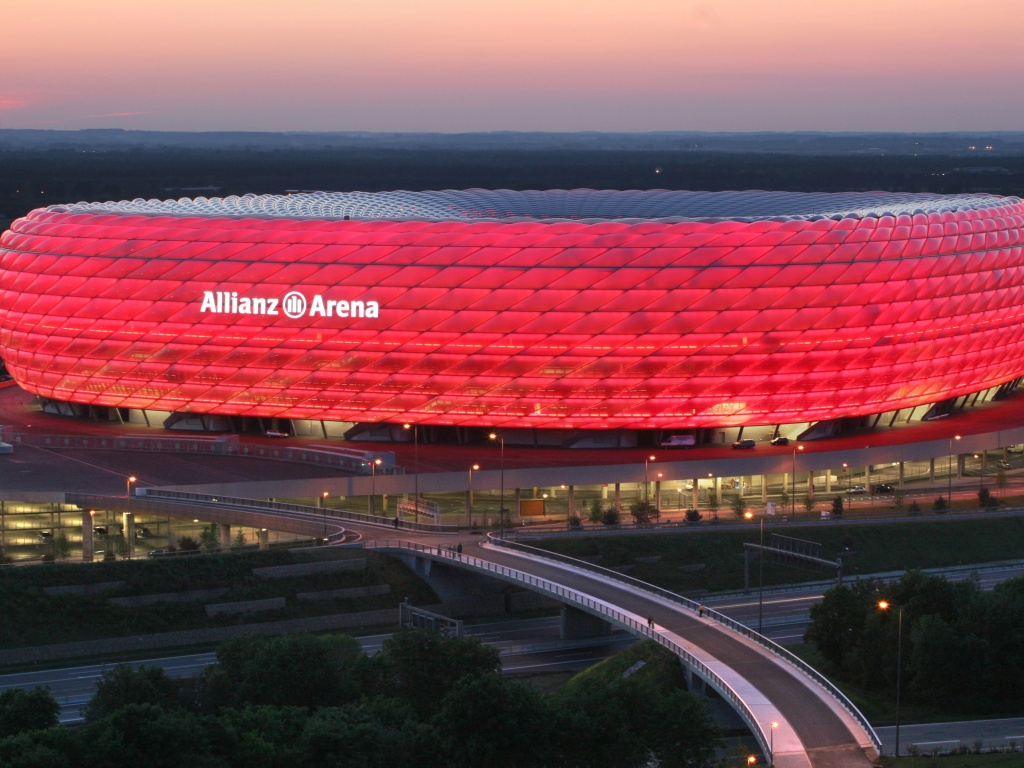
(817, 726)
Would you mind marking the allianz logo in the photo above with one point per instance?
(293, 304)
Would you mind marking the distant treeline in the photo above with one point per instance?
(34, 178)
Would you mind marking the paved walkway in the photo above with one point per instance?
(812, 732)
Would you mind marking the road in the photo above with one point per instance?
(786, 612)
(528, 646)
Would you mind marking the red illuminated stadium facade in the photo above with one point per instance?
(551, 310)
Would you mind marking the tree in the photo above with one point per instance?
(611, 516)
(986, 500)
(422, 667)
(897, 498)
(24, 710)
(287, 670)
(712, 503)
(239, 540)
(188, 544)
(120, 545)
(837, 506)
(809, 503)
(124, 685)
(940, 504)
(374, 732)
(643, 512)
(483, 720)
(596, 511)
(1001, 481)
(62, 546)
(784, 498)
(209, 537)
(738, 504)
(837, 622)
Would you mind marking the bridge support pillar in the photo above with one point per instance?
(225, 536)
(577, 624)
(518, 498)
(901, 476)
(764, 489)
(931, 470)
(128, 525)
(618, 497)
(571, 504)
(657, 494)
(828, 481)
(696, 494)
(87, 546)
(264, 539)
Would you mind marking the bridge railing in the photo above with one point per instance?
(732, 624)
(280, 506)
(593, 606)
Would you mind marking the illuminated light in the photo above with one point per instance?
(879, 301)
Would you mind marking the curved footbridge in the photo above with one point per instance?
(817, 726)
(764, 683)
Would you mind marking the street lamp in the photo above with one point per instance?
(885, 605)
(128, 486)
(647, 495)
(949, 472)
(323, 510)
(793, 500)
(373, 485)
(415, 469)
(760, 574)
(751, 760)
(501, 503)
(469, 506)
(771, 744)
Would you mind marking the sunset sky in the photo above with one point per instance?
(481, 65)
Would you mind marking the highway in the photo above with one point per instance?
(527, 646)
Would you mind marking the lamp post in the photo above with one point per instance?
(323, 510)
(469, 506)
(415, 469)
(949, 472)
(885, 605)
(128, 486)
(760, 574)
(793, 500)
(647, 494)
(373, 485)
(771, 743)
(501, 503)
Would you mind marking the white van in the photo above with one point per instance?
(679, 441)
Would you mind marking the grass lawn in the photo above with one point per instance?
(708, 559)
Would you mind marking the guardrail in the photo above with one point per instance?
(594, 606)
(224, 445)
(732, 624)
(278, 506)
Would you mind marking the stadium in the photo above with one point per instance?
(545, 310)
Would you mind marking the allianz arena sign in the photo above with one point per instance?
(293, 305)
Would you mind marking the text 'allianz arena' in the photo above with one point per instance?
(557, 309)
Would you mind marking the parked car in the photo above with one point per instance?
(158, 552)
(99, 530)
(744, 444)
(142, 532)
(780, 440)
(45, 535)
(276, 433)
(884, 488)
(1016, 449)
(856, 489)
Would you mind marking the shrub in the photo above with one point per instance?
(940, 504)
(693, 516)
(575, 521)
(837, 506)
(611, 516)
